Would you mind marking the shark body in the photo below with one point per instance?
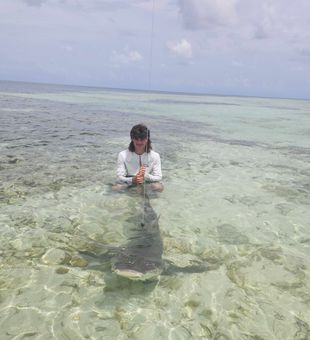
(141, 258)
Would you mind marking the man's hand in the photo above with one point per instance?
(139, 178)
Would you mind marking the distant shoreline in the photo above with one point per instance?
(91, 87)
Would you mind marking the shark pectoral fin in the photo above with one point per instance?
(171, 268)
(103, 256)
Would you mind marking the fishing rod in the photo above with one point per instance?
(149, 89)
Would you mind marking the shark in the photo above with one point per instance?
(141, 258)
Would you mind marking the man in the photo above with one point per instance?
(139, 163)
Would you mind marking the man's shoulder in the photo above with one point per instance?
(154, 154)
(125, 153)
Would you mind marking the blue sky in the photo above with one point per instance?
(230, 47)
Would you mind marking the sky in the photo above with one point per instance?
(225, 47)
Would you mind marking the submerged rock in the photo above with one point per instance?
(229, 234)
(55, 256)
(62, 270)
(78, 261)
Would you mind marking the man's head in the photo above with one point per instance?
(139, 135)
(139, 131)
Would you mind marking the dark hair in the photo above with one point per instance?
(140, 131)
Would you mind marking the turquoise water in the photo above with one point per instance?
(236, 174)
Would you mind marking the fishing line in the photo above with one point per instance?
(150, 68)
(144, 181)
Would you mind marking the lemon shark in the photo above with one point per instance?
(141, 258)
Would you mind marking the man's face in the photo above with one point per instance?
(139, 143)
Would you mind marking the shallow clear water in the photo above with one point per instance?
(236, 174)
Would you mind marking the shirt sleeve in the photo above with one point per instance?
(121, 170)
(155, 175)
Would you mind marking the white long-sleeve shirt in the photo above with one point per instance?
(128, 165)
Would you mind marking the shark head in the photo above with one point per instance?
(137, 275)
(137, 264)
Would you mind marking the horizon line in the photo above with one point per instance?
(150, 90)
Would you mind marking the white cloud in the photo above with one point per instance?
(260, 32)
(305, 53)
(134, 56)
(35, 3)
(126, 57)
(198, 14)
(68, 48)
(152, 5)
(182, 48)
(89, 5)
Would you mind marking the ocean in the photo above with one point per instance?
(236, 172)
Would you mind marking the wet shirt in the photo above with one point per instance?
(128, 165)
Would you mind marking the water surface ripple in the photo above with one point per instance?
(237, 199)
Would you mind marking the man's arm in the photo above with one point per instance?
(121, 170)
(156, 174)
